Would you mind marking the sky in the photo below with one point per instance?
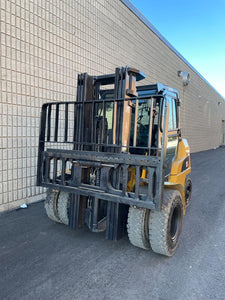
(196, 29)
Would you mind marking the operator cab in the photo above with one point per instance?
(147, 122)
(150, 119)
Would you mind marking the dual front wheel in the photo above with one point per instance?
(159, 230)
(57, 206)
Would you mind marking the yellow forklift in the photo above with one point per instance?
(114, 160)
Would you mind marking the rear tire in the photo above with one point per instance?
(63, 207)
(188, 191)
(51, 203)
(165, 226)
(137, 227)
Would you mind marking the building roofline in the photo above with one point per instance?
(164, 40)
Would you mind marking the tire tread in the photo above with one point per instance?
(63, 207)
(136, 222)
(158, 223)
(51, 205)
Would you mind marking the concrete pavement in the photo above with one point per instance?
(40, 259)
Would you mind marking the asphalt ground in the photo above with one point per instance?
(40, 259)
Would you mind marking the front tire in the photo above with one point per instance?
(137, 227)
(165, 226)
(63, 207)
(51, 205)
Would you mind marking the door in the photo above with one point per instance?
(172, 133)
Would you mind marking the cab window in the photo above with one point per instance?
(172, 125)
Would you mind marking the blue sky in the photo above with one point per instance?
(196, 29)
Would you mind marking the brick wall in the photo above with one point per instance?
(44, 44)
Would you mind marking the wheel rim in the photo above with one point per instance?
(175, 224)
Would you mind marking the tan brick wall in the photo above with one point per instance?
(44, 44)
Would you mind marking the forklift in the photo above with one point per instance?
(114, 160)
